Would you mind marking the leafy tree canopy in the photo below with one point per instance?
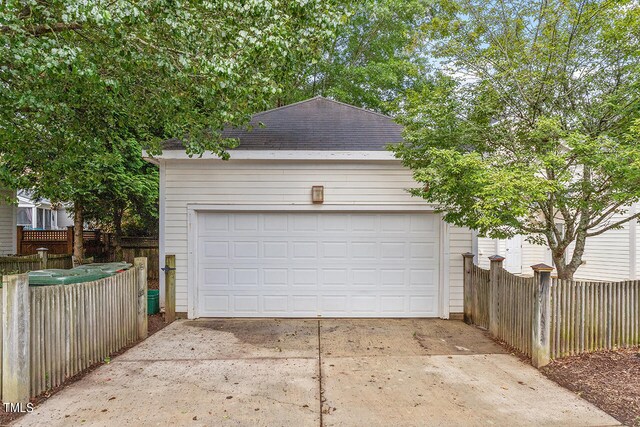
(530, 126)
(374, 58)
(85, 84)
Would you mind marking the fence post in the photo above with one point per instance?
(170, 288)
(541, 331)
(42, 253)
(15, 339)
(69, 239)
(19, 238)
(468, 295)
(494, 292)
(140, 264)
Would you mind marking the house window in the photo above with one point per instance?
(44, 219)
(25, 217)
(40, 218)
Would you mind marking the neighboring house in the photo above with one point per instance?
(612, 255)
(65, 217)
(8, 211)
(41, 214)
(250, 241)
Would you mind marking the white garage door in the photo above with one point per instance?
(317, 264)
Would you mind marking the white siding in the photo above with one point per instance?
(8, 217)
(609, 256)
(287, 183)
(459, 243)
(606, 257)
(65, 218)
(636, 248)
(486, 248)
(532, 255)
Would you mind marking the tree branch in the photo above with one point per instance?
(614, 225)
(40, 30)
(605, 215)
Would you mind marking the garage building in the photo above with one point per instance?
(309, 218)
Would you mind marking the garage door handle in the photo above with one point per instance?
(166, 268)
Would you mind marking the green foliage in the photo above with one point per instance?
(532, 120)
(375, 57)
(85, 85)
(127, 195)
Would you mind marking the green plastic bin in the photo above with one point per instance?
(64, 277)
(110, 268)
(153, 301)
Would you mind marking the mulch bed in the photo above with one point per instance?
(608, 379)
(156, 323)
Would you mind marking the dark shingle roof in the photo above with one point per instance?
(315, 124)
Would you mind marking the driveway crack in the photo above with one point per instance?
(320, 388)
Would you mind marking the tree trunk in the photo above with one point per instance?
(564, 270)
(117, 225)
(78, 227)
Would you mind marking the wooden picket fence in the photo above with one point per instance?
(134, 247)
(590, 316)
(51, 333)
(515, 313)
(548, 318)
(24, 264)
(480, 296)
(19, 264)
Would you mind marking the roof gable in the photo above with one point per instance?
(315, 124)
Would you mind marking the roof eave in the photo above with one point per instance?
(278, 155)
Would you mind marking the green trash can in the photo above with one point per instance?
(108, 267)
(64, 277)
(153, 301)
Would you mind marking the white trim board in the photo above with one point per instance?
(277, 155)
(310, 208)
(445, 294)
(192, 233)
(161, 231)
(633, 250)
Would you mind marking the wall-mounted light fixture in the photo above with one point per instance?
(317, 194)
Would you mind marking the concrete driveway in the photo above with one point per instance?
(271, 372)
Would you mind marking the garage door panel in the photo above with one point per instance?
(275, 303)
(304, 223)
(301, 250)
(215, 223)
(334, 277)
(365, 223)
(364, 277)
(275, 277)
(247, 249)
(423, 251)
(393, 250)
(334, 249)
(305, 305)
(275, 250)
(364, 250)
(317, 264)
(337, 223)
(244, 223)
(214, 277)
(421, 277)
(274, 223)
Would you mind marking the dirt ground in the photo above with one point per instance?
(156, 323)
(608, 379)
